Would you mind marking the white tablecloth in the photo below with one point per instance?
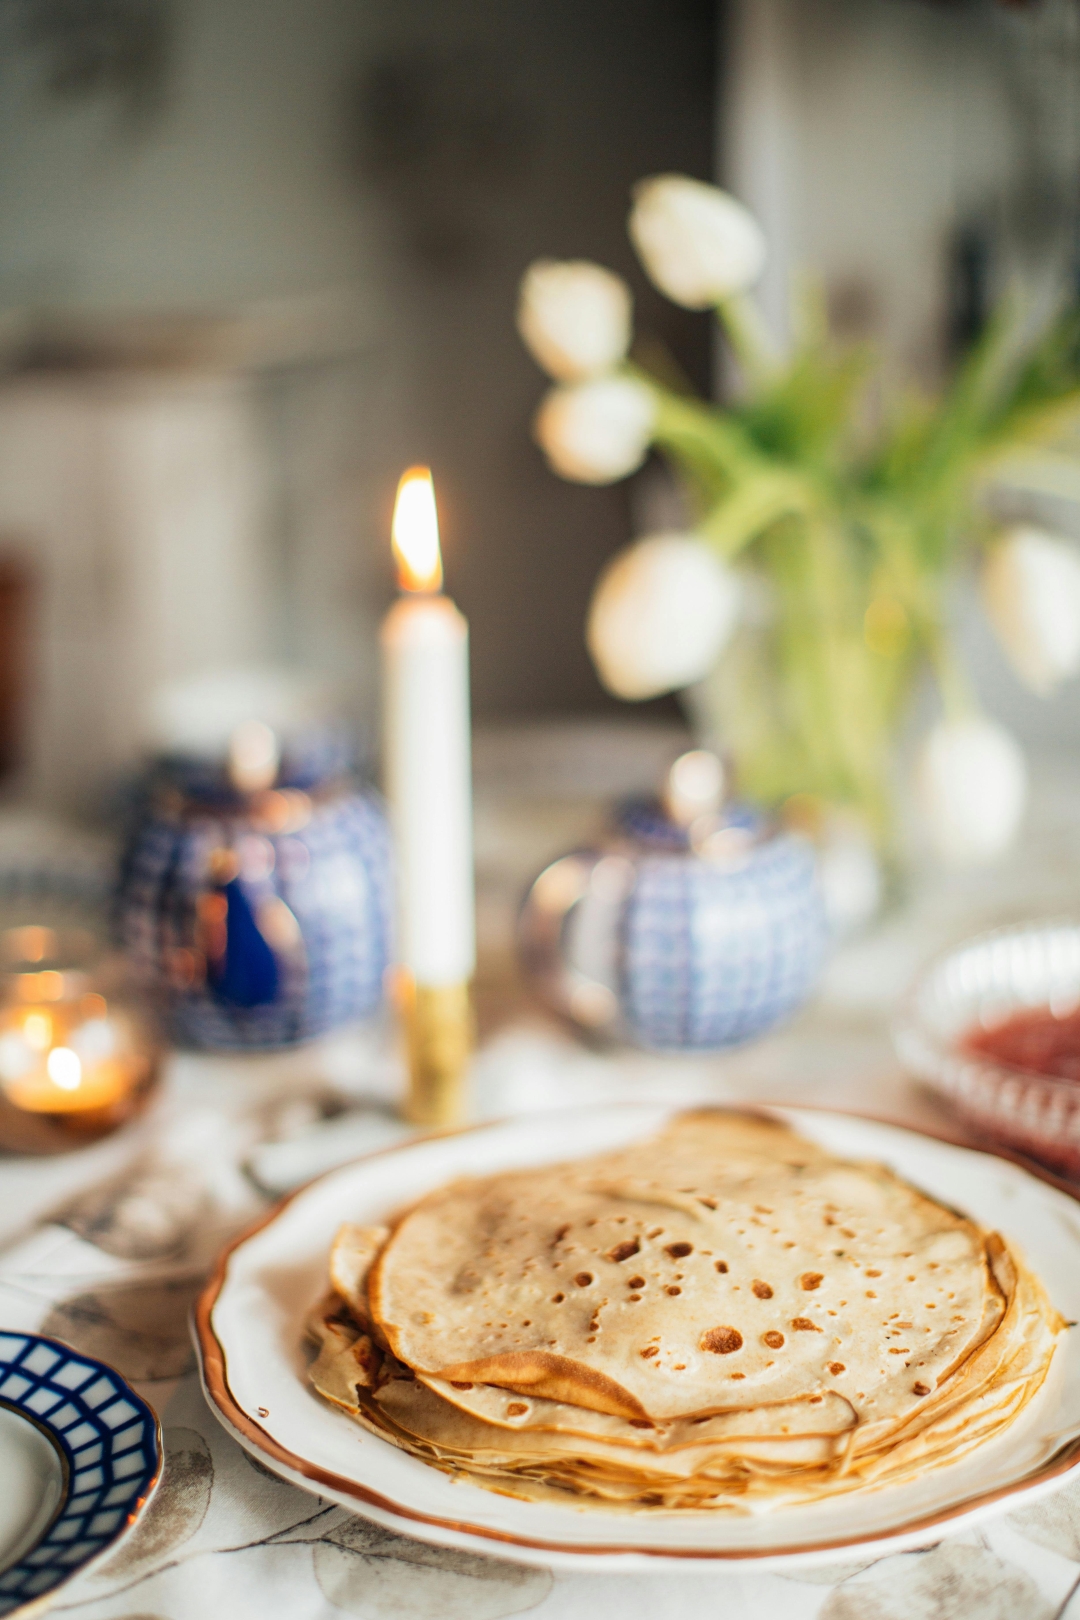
(107, 1247)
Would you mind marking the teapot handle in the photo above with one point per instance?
(546, 930)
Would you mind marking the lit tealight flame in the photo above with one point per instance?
(64, 1068)
(415, 532)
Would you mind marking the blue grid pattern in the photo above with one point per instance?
(108, 1438)
(711, 957)
(334, 874)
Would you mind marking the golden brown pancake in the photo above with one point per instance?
(721, 1312)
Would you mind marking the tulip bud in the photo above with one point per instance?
(574, 318)
(698, 245)
(1031, 592)
(661, 612)
(597, 431)
(972, 787)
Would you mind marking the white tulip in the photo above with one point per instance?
(661, 612)
(698, 244)
(972, 784)
(574, 317)
(597, 431)
(1031, 591)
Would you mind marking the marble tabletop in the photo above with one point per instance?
(107, 1247)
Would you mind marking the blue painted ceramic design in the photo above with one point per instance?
(291, 940)
(646, 939)
(712, 955)
(110, 1445)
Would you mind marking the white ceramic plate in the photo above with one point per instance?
(249, 1328)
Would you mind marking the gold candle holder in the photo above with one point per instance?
(438, 1025)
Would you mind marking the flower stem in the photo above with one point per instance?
(957, 699)
(749, 337)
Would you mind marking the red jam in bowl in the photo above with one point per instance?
(1035, 1040)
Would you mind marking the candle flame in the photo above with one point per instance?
(64, 1068)
(415, 532)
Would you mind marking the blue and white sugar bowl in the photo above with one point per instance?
(255, 886)
(697, 925)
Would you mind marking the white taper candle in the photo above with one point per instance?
(427, 777)
(425, 642)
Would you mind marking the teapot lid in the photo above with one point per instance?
(241, 730)
(646, 821)
(693, 813)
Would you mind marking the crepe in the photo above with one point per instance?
(720, 1314)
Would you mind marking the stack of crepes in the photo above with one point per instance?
(721, 1316)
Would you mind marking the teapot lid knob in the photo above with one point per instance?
(254, 756)
(696, 785)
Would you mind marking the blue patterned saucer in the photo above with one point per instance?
(80, 1453)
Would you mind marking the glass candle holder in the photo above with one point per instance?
(79, 1051)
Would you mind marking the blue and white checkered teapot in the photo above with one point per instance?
(699, 924)
(255, 886)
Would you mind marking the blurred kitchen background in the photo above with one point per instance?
(255, 258)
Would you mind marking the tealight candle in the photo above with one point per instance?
(74, 1064)
(425, 652)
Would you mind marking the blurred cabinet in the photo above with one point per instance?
(139, 503)
(207, 497)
